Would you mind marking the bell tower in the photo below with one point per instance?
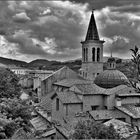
(92, 52)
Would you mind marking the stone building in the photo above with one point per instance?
(95, 94)
(92, 52)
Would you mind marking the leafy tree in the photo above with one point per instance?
(119, 61)
(136, 59)
(11, 106)
(9, 87)
(93, 130)
(10, 128)
(136, 65)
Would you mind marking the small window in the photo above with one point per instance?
(98, 54)
(94, 107)
(105, 107)
(57, 104)
(66, 110)
(93, 54)
(85, 75)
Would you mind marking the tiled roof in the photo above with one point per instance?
(63, 130)
(128, 94)
(20, 134)
(68, 97)
(105, 114)
(117, 89)
(46, 102)
(71, 82)
(130, 110)
(49, 133)
(124, 129)
(39, 123)
(90, 89)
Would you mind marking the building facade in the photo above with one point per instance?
(92, 52)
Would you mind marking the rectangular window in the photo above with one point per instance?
(105, 107)
(66, 110)
(94, 107)
(57, 104)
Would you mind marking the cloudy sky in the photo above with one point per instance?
(54, 29)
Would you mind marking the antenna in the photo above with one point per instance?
(111, 51)
(93, 11)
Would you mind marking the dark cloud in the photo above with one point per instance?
(66, 23)
(21, 17)
(122, 26)
(25, 45)
(99, 4)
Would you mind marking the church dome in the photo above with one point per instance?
(111, 78)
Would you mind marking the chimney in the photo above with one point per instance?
(118, 102)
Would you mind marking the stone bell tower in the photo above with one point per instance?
(92, 52)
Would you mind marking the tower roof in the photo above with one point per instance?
(92, 33)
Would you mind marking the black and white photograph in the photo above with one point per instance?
(70, 69)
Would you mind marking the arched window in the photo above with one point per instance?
(98, 54)
(86, 54)
(57, 104)
(93, 54)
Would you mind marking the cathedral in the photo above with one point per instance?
(93, 93)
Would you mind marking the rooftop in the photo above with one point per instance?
(89, 89)
(46, 102)
(68, 97)
(70, 82)
(131, 110)
(105, 114)
(124, 129)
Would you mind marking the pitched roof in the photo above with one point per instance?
(128, 94)
(90, 89)
(92, 33)
(117, 90)
(68, 97)
(105, 114)
(39, 123)
(71, 82)
(20, 134)
(124, 129)
(63, 73)
(131, 110)
(46, 102)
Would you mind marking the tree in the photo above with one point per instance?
(136, 65)
(15, 110)
(10, 128)
(9, 87)
(119, 61)
(93, 130)
(136, 59)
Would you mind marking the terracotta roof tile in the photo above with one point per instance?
(39, 123)
(124, 129)
(131, 110)
(105, 114)
(71, 82)
(46, 102)
(68, 97)
(90, 89)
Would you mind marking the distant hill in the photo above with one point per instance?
(105, 58)
(7, 61)
(46, 64)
